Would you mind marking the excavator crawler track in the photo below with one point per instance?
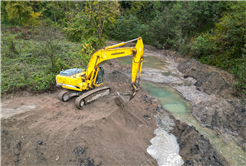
(91, 96)
(65, 95)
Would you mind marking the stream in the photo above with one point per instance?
(164, 146)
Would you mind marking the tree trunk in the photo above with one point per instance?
(54, 15)
(66, 10)
(100, 23)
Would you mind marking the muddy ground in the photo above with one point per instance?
(51, 132)
(38, 129)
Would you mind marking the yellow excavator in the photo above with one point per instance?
(84, 83)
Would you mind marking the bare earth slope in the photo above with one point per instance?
(57, 133)
(41, 130)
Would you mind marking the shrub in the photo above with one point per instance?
(127, 29)
(225, 46)
(32, 69)
(78, 28)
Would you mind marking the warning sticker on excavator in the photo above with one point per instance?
(118, 53)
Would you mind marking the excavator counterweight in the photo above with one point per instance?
(83, 83)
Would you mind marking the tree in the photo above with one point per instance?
(102, 14)
(22, 13)
(19, 10)
(4, 14)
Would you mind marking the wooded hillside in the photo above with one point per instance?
(39, 38)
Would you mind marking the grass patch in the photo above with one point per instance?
(26, 62)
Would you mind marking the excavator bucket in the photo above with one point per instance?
(125, 96)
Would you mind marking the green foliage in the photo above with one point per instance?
(79, 28)
(88, 48)
(167, 24)
(240, 71)
(128, 29)
(175, 22)
(21, 13)
(200, 46)
(225, 46)
(92, 22)
(32, 68)
(11, 46)
(4, 15)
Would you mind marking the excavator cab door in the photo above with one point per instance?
(100, 74)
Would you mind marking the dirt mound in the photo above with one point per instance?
(57, 133)
(117, 76)
(41, 130)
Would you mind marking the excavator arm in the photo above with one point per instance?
(111, 52)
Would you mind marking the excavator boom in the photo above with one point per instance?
(111, 52)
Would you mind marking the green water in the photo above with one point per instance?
(149, 61)
(180, 108)
(166, 73)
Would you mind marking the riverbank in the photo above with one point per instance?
(214, 103)
(41, 130)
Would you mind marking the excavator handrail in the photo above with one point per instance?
(121, 44)
(129, 41)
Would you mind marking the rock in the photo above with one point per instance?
(147, 116)
(82, 158)
(226, 117)
(156, 76)
(218, 109)
(16, 150)
(192, 94)
(193, 68)
(212, 83)
(158, 108)
(39, 142)
(195, 149)
(209, 81)
(4, 132)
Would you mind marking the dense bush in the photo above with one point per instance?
(79, 29)
(213, 32)
(27, 65)
(127, 29)
(225, 45)
(169, 24)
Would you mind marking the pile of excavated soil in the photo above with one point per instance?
(52, 132)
